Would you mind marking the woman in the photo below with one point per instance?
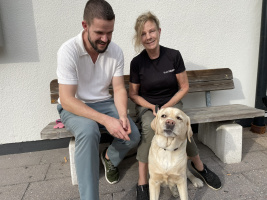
(158, 77)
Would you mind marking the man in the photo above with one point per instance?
(87, 64)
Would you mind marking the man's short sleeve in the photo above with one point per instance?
(119, 71)
(67, 66)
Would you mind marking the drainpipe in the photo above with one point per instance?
(260, 101)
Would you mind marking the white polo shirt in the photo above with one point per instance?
(75, 67)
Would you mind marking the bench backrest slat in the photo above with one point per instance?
(209, 75)
(199, 81)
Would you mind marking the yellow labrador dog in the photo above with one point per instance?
(167, 158)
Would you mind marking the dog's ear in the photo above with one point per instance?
(154, 124)
(189, 129)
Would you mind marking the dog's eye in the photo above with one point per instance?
(163, 116)
(179, 118)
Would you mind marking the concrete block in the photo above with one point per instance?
(224, 139)
(229, 143)
(72, 162)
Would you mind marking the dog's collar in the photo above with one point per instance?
(172, 150)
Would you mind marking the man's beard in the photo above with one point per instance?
(94, 45)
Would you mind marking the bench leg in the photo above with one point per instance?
(224, 139)
(72, 161)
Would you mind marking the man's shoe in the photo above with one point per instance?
(142, 192)
(111, 173)
(209, 177)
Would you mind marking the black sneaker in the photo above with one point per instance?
(209, 177)
(142, 192)
(111, 173)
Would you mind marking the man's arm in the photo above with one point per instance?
(77, 107)
(121, 101)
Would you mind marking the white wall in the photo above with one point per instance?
(209, 34)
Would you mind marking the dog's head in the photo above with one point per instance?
(172, 122)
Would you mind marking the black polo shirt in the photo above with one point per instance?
(157, 78)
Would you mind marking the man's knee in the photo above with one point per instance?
(87, 132)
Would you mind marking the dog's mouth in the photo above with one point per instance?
(169, 132)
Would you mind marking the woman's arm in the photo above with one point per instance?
(184, 87)
(133, 93)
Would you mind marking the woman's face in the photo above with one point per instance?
(150, 35)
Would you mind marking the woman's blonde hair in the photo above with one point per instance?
(139, 25)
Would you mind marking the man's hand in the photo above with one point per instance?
(119, 128)
(126, 124)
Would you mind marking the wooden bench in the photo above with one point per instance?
(217, 128)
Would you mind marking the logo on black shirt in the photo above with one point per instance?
(169, 71)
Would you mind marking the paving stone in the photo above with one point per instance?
(262, 141)
(250, 145)
(19, 160)
(235, 186)
(13, 191)
(128, 180)
(106, 197)
(129, 195)
(258, 178)
(55, 156)
(58, 170)
(251, 161)
(264, 152)
(23, 174)
(249, 134)
(59, 189)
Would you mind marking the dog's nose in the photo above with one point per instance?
(170, 123)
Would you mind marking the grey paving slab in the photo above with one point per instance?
(248, 134)
(19, 160)
(250, 144)
(129, 195)
(106, 197)
(23, 174)
(262, 141)
(258, 178)
(55, 156)
(56, 189)
(236, 185)
(58, 170)
(14, 192)
(250, 161)
(265, 152)
(128, 180)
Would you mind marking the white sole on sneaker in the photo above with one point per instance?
(104, 164)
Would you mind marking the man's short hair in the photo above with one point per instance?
(98, 9)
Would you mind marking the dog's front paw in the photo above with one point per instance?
(197, 182)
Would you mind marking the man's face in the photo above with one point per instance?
(100, 34)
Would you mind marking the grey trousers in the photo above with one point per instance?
(147, 135)
(87, 138)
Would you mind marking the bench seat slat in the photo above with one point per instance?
(197, 115)
(222, 113)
